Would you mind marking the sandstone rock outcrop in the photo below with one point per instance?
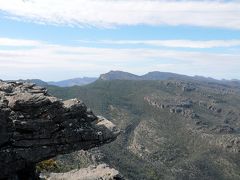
(102, 171)
(35, 126)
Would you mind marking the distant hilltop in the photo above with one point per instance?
(155, 75)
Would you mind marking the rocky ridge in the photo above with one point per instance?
(36, 126)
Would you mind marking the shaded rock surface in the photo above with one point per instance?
(35, 126)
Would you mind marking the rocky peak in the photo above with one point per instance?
(35, 126)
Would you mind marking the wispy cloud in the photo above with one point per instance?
(110, 13)
(47, 59)
(18, 42)
(172, 43)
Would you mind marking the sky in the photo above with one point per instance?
(57, 39)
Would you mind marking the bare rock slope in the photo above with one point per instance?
(35, 126)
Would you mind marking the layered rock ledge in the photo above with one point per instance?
(35, 126)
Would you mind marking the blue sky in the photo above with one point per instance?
(57, 39)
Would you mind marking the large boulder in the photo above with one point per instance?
(35, 126)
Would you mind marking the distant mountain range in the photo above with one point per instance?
(157, 75)
(121, 75)
(63, 83)
(73, 82)
(182, 128)
(39, 82)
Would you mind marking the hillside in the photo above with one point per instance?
(171, 129)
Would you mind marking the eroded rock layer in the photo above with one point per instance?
(35, 126)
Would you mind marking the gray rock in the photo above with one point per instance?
(176, 110)
(188, 88)
(223, 129)
(185, 104)
(102, 171)
(35, 126)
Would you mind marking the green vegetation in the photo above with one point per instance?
(47, 165)
(198, 142)
(65, 163)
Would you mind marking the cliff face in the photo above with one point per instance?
(35, 126)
